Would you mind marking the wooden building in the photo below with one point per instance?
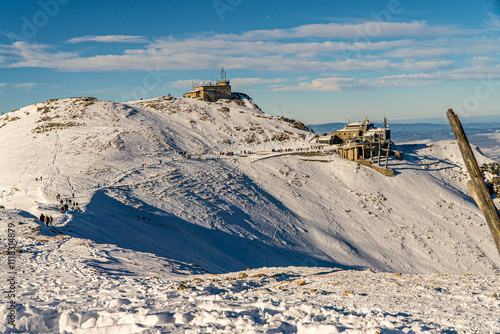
(364, 129)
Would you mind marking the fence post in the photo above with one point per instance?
(480, 193)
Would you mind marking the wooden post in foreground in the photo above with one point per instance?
(480, 193)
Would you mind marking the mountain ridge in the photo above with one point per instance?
(248, 192)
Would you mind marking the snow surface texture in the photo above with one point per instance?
(152, 218)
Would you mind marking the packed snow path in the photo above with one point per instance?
(71, 285)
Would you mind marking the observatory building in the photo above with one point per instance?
(211, 92)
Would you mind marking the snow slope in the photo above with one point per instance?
(150, 216)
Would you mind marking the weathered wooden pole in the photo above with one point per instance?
(379, 149)
(478, 188)
(387, 155)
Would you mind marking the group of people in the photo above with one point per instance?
(227, 154)
(185, 155)
(46, 219)
(65, 205)
(282, 150)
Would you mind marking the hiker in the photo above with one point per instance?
(62, 209)
(73, 195)
(66, 207)
(42, 218)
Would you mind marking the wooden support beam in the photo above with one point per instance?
(387, 155)
(479, 191)
(379, 149)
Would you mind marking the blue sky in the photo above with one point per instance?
(318, 62)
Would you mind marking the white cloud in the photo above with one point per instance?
(109, 39)
(391, 54)
(236, 83)
(171, 58)
(418, 52)
(487, 75)
(494, 21)
(183, 84)
(316, 85)
(26, 86)
(483, 61)
(248, 82)
(357, 32)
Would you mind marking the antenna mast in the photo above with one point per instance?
(223, 75)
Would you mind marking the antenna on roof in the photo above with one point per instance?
(385, 122)
(223, 75)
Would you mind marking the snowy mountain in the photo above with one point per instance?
(170, 187)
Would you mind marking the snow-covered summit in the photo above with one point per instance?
(243, 193)
(171, 189)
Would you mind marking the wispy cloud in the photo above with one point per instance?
(333, 56)
(183, 84)
(316, 85)
(248, 82)
(494, 21)
(235, 82)
(25, 86)
(109, 39)
(419, 52)
(360, 31)
(488, 74)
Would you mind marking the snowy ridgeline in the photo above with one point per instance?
(246, 192)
